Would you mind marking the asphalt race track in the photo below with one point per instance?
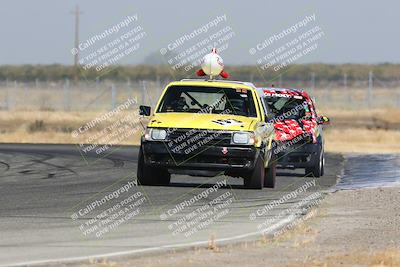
(44, 187)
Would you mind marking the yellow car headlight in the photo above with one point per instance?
(243, 138)
(154, 134)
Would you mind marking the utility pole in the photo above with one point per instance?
(76, 44)
(313, 81)
(349, 96)
(370, 87)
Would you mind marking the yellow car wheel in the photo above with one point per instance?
(147, 175)
(270, 175)
(255, 178)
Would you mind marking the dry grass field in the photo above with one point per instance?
(55, 127)
(51, 114)
(363, 131)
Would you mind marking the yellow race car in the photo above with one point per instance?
(207, 128)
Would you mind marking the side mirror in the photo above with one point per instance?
(323, 120)
(144, 110)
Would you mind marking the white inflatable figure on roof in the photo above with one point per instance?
(212, 65)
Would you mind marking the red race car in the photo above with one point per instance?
(299, 141)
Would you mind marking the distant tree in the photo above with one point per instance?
(155, 58)
(295, 73)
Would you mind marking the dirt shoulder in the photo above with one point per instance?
(351, 228)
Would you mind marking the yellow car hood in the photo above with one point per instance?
(202, 121)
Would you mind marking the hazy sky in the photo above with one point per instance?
(42, 31)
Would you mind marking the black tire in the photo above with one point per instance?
(318, 169)
(323, 164)
(148, 175)
(270, 175)
(255, 178)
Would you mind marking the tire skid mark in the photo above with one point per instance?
(7, 166)
(39, 158)
(117, 162)
(32, 162)
(63, 168)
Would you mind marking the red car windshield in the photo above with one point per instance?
(285, 107)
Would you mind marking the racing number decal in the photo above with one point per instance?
(227, 122)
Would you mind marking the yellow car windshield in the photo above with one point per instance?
(213, 100)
